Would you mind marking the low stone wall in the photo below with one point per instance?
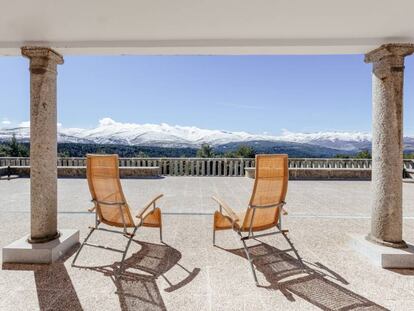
(80, 171)
(211, 166)
(300, 168)
(322, 173)
(133, 172)
(330, 173)
(3, 171)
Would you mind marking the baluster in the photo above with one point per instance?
(195, 167)
(167, 167)
(192, 167)
(242, 167)
(163, 167)
(186, 167)
(202, 167)
(214, 167)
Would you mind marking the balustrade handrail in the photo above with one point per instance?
(195, 166)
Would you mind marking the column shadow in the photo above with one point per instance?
(406, 272)
(136, 285)
(54, 287)
(315, 283)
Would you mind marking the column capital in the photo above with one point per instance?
(388, 59)
(42, 59)
(399, 50)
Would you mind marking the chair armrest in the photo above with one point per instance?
(148, 205)
(109, 203)
(230, 213)
(95, 202)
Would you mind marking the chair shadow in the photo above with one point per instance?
(315, 283)
(136, 283)
(54, 287)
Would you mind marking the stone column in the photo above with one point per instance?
(43, 142)
(387, 143)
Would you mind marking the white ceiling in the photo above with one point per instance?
(205, 26)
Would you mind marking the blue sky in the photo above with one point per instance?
(237, 93)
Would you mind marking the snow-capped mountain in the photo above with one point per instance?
(110, 132)
(348, 141)
(163, 135)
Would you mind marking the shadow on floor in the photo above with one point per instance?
(409, 272)
(136, 284)
(315, 284)
(54, 287)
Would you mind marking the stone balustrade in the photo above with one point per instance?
(219, 166)
(210, 166)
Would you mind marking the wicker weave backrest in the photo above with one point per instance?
(269, 189)
(105, 186)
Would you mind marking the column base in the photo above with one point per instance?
(21, 251)
(45, 239)
(401, 244)
(383, 256)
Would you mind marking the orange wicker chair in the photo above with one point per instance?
(265, 207)
(110, 205)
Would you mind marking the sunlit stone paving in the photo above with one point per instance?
(188, 272)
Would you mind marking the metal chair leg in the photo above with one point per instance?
(121, 266)
(160, 233)
(214, 237)
(250, 260)
(81, 246)
(294, 250)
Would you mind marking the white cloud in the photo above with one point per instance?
(5, 121)
(27, 124)
(24, 124)
(106, 122)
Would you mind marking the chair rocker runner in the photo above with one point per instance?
(264, 209)
(110, 205)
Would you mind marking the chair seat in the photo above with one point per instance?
(153, 218)
(223, 222)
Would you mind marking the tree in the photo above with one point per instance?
(17, 149)
(365, 154)
(141, 154)
(245, 152)
(206, 151)
(4, 150)
(405, 155)
(242, 152)
(14, 147)
(64, 154)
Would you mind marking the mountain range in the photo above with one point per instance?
(163, 135)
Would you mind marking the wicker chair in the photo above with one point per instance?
(110, 205)
(265, 208)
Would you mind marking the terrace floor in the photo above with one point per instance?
(188, 273)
